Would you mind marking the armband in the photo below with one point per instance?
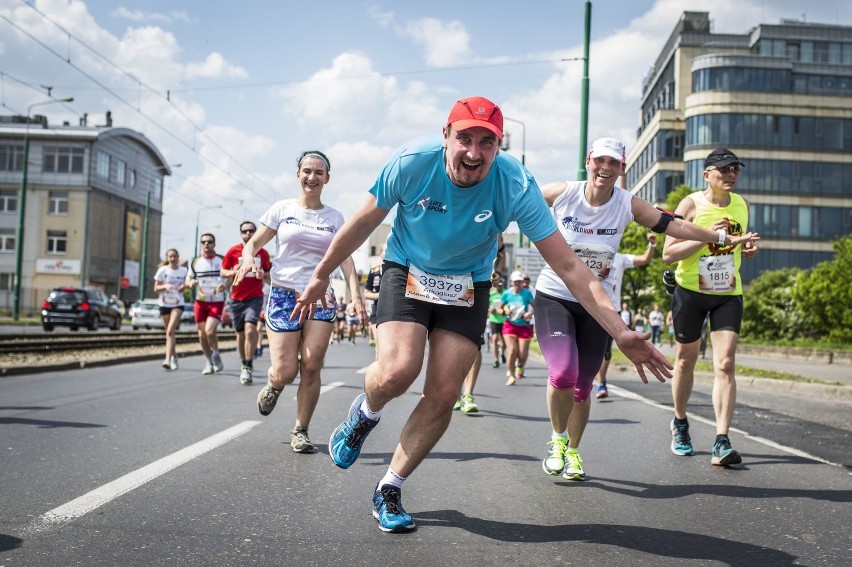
(665, 218)
(723, 235)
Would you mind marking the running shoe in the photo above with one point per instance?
(503, 356)
(519, 372)
(468, 405)
(510, 380)
(346, 441)
(496, 364)
(267, 398)
(245, 375)
(173, 363)
(372, 342)
(387, 509)
(258, 352)
(681, 442)
(208, 369)
(554, 462)
(573, 466)
(217, 362)
(166, 363)
(458, 405)
(299, 441)
(723, 454)
(602, 391)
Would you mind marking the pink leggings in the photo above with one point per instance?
(572, 343)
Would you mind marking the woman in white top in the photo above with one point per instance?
(591, 216)
(169, 283)
(303, 229)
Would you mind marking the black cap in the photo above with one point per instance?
(721, 157)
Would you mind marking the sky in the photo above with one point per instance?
(234, 92)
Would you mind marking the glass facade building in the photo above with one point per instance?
(780, 97)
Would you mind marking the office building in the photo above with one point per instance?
(780, 97)
(86, 195)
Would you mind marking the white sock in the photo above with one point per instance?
(563, 435)
(373, 415)
(391, 478)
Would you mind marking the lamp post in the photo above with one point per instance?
(523, 159)
(168, 170)
(22, 204)
(523, 139)
(584, 96)
(197, 222)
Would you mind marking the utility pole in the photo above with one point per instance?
(584, 96)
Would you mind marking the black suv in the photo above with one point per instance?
(78, 307)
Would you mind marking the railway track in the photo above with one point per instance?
(87, 342)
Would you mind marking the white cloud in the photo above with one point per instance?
(141, 16)
(215, 66)
(446, 43)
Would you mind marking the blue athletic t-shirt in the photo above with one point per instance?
(445, 229)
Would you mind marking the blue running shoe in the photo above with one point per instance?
(723, 454)
(681, 442)
(345, 443)
(387, 509)
(602, 391)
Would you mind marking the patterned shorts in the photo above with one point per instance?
(280, 307)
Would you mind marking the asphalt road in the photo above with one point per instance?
(132, 465)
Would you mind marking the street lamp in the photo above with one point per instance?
(523, 139)
(168, 170)
(197, 222)
(22, 203)
(584, 95)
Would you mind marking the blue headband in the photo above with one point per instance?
(318, 156)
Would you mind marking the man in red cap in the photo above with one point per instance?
(454, 196)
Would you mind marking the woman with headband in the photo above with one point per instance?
(303, 229)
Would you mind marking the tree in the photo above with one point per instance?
(825, 296)
(769, 311)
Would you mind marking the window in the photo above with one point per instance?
(102, 165)
(7, 281)
(57, 203)
(8, 201)
(63, 159)
(11, 157)
(7, 240)
(120, 172)
(57, 241)
(132, 179)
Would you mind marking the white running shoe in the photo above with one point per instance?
(166, 363)
(208, 369)
(245, 375)
(217, 362)
(173, 363)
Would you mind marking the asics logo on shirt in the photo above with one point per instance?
(483, 216)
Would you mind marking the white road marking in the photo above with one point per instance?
(102, 495)
(329, 387)
(362, 370)
(768, 442)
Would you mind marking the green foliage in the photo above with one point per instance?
(770, 312)
(824, 295)
(643, 286)
(674, 198)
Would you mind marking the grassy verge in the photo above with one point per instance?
(707, 366)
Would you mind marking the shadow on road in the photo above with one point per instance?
(667, 543)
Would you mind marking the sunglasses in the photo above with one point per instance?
(249, 231)
(733, 168)
(208, 242)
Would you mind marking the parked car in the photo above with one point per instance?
(76, 307)
(188, 317)
(145, 314)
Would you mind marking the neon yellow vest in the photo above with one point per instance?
(715, 269)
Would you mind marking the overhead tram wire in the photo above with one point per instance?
(164, 129)
(383, 74)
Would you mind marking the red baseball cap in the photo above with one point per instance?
(476, 111)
